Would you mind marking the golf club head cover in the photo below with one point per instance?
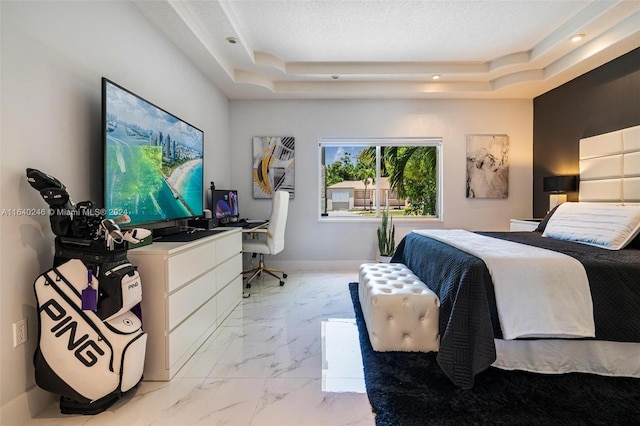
(136, 235)
(113, 230)
(86, 221)
(56, 197)
(39, 180)
(61, 211)
(123, 218)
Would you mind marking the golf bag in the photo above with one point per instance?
(91, 346)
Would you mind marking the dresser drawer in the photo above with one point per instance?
(228, 271)
(183, 341)
(228, 298)
(186, 300)
(187, 265)
(228, 247)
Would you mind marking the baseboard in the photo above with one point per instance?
(26, 406)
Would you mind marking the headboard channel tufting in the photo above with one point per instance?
(610, 167)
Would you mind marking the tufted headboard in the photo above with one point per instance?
(610, 167)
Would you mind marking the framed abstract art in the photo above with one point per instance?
(273, 165)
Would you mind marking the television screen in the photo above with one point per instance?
(225, 205)
(152, 160)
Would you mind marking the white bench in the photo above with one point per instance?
(400, 311)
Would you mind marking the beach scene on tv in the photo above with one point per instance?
(153, 161)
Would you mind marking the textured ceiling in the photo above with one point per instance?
(392, 49)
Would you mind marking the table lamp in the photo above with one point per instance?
(559, 186)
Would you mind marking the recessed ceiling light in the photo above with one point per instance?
(436, 77)
(232, 40)
(577, 37)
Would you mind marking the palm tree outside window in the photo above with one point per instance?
(372, 174)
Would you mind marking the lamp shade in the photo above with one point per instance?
(560, 183)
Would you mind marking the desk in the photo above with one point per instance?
(256, 224)
(248, 224)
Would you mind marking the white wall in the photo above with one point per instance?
(313, 244)
(53, 57)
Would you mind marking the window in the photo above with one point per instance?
(360, 177)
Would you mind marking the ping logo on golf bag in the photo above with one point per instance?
(85, 349)
(121, 290)
(133, 285)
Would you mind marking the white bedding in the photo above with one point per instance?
(539, 293)
(558, 356)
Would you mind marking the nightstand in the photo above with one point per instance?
(524, 224)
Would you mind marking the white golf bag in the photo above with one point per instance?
(91, 346)
(88, 360)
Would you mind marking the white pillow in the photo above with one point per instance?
(602, 225)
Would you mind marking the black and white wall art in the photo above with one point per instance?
(487, 166)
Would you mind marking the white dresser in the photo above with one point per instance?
(188, 289)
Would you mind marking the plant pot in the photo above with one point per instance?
(385, 259)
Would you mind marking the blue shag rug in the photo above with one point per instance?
(409, 388)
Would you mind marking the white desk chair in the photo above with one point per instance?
(270, 240)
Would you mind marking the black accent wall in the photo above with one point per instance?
(600, 101)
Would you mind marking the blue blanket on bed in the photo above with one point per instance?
(468, 318)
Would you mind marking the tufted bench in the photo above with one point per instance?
(400, 311)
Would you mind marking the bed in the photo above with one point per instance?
(474, 328)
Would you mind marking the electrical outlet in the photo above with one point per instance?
(19, 332)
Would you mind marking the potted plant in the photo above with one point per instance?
(386, 236)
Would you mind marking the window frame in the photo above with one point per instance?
(436, 142)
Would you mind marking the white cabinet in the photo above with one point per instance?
(524, 224)
(188, 289)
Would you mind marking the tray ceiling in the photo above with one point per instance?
(342, 49)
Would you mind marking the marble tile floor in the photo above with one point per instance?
(285, 356)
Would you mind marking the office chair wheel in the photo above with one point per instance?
(284, 275)
(281, 283)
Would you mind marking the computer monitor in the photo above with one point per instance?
(224, 204)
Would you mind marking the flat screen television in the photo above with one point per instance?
(225, 205)
(152, 160)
